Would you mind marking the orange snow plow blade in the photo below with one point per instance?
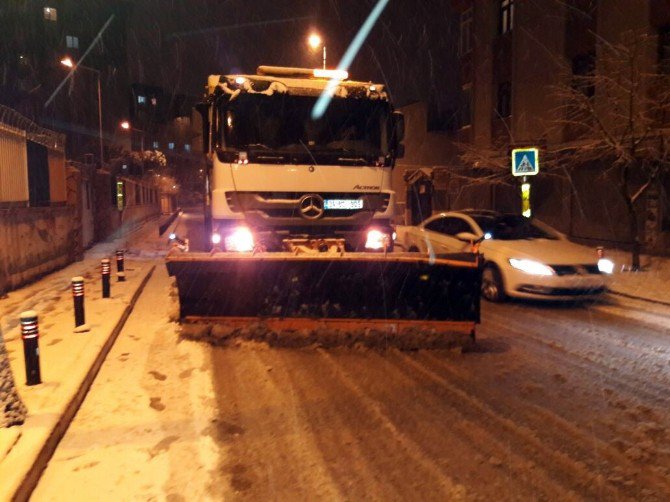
(354, 294)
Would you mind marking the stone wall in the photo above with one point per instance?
(35, 241)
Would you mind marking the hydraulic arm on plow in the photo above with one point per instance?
(299, 212)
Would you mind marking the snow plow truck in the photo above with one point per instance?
(299, 213)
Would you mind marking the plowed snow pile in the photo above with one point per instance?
(220, 334)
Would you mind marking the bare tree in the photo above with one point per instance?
(614, 111)
(617, 110)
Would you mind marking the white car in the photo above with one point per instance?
(524, 258)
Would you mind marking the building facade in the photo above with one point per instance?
(525, 68)
(36, 36)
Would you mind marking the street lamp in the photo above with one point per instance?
(314, 41)
(67, 61)
(128, 127)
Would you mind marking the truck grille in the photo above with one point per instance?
(575, 269)
(286, 204)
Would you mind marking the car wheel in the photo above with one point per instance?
(492, 284)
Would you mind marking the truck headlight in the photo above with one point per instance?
(531, 267)
(605, 266)
(216, 238)
(241, 240)
(376, 239)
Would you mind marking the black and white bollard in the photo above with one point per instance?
(78, 298)
(120, 267)
(119, 261)
(105, 270)
(31, 351)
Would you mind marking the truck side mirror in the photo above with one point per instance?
(398, 126)
(203, 110)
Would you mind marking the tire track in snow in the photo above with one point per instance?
(271, 457)
(607, 333)
(553, 461)
(549, 423)
(330, 424)
(598, 365)
(450, 488)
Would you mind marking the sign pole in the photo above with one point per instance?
(525, 162)
(525, 197)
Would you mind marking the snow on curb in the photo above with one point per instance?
(53, 404)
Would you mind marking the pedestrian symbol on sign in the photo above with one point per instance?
(525, 161)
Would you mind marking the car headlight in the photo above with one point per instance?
(605, 266)
(241, 240)
(531, 267)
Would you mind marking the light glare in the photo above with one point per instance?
(332, 74)
(324, 99)
(376, 240)
(241, 240)
(606, 266)
(314, 41)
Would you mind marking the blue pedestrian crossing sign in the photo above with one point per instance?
(525, 161)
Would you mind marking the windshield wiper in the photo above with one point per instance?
(258, 145)
(355, 160)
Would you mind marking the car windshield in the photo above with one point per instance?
(353, 129)
(511, 227)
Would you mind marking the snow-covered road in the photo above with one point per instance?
(555, 403)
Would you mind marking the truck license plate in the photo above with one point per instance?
(343, 204)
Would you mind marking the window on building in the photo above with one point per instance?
(664, 49)
(465, 39)
(50, 14)
(171, 146)
(506, 16)
(72, 42)
(187, 147)
(154, 101)
(155, 145)
(504, 103)
(583, 69)
(465, 118)
(141, 100)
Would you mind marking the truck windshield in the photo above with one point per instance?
(351, 131)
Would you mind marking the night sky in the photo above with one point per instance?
(412, 49)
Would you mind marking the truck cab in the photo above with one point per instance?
(281, 171)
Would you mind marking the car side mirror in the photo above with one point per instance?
(466, 237)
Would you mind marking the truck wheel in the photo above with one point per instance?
(492, 284)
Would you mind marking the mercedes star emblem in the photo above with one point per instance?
(311, 206)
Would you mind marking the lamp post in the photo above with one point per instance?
(67, 61)
(128, 127)
(315, 41)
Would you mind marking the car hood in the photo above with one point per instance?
(552, 252)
